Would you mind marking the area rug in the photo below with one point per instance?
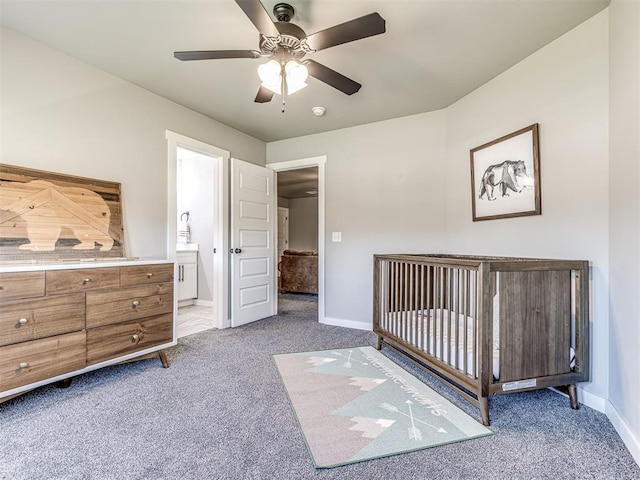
(355, 404)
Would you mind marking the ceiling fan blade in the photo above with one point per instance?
(259, 17)
(216, 54)
(331, 77)
(264, 95)
(363, 27)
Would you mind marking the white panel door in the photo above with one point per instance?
(253, 226)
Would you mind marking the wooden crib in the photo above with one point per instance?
(486, 325)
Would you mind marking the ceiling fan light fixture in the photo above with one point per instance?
(271, 75)
(296, 72)
(296, 75)
(274, 87)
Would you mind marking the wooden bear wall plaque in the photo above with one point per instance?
(49, 216)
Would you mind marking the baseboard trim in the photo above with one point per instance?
(340, 322)
(204, 303)
(585, 398)
(630, 440)
(592, 401)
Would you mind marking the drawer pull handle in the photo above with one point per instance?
(149, 275)
(135, 303)
(135, 338)
(22, 321)
(24, 365)
(85, 281)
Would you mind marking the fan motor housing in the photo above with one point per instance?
(290, 42)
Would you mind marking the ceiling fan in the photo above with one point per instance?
(285, 44)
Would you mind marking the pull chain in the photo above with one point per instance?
(284, 88)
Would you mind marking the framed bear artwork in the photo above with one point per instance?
(505, 176)
(47, 216)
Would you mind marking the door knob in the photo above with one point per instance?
(238, 250)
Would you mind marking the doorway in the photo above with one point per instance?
(310, 172)
(206, 169)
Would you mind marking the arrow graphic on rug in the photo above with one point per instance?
(414, 433)
(347, 364)
(394, 409)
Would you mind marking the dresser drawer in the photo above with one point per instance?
(30, 362)
(21, 285)
(104, 343)
(82, 279)
(146, 274)
(25, 320)
(133, 303)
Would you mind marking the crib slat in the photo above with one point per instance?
(430, 309)
(420, 342)
(394, 292)
(452, 322)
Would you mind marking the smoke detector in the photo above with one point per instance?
(318, 111)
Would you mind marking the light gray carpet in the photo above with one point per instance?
(220, 412)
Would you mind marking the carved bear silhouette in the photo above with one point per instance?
(47, 208)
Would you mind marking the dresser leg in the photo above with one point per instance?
(163, 358)
(66, 383)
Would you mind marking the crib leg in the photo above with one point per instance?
(573, 396)
(379, 343)
(484, 410)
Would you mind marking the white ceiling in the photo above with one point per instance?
(433, 52)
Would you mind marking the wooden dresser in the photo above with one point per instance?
(61, 320)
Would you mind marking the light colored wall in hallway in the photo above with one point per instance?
(303, 223)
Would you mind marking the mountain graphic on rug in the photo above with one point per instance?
(356, 404)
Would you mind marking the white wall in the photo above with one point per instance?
(303, 223)
(624, 208)
(384, 185)
(404, 185)
(62, 115)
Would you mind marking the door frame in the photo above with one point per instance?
(278, 230)
(220, 157)
(304, 163)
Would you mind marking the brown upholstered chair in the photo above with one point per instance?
(299, 271)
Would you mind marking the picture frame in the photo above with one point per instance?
(48, 216)
(505, 176)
